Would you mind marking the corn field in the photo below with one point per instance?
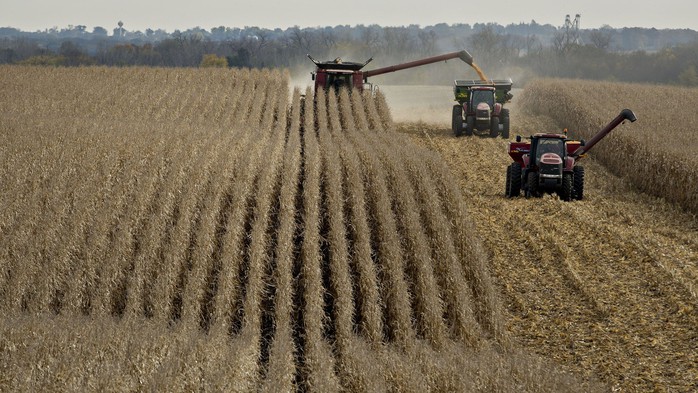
(190, 229)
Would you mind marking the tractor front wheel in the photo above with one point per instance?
(532, 184)
(578, 186)
(494, 127)
(469, 125)
(513, 186)
(505, 123)
(457, 120)
(566, 190)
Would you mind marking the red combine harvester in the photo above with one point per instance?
(548, 163)
(338, 73)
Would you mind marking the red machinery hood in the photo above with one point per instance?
(482, 106)
(550, 159)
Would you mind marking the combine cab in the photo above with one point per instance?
(338, 73)
(547, 163)
(481, 107)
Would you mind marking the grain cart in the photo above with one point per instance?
(481, 107)
(547, 163)
(337, 73)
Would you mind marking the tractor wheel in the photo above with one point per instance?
(532, 184)
(494, 127)
(457, 120)
(565, 192)
(578, 185)
(505, 123)
(469, 125)
(513, 187)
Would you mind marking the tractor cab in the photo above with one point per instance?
(482, 102)
(548, 145)
(548, 153)
(482, 95)
(338, 80)
(542, 148)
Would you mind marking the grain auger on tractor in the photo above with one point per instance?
(548, 163)
(337, 73)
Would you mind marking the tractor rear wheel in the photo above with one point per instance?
(532, 184)
(457, 120)
(505, 123)
(566, 189)
(494, 126)
(469, 125)
(578, 185)
(513, 186)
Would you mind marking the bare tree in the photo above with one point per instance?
(397, 42)
(567, 36)
(601, 38)
(486, 46)
(427, 41)
(301, 39)
(328, 40)
(562, 42)
(370, 37)
(532, 44)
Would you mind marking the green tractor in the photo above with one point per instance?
(481, 107)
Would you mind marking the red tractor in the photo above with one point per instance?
(547, 163)
(481, 107)
(338, 73)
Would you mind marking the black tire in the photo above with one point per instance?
(513, 186)
(578, 185)
(494, 126)
(457, 120)
(566, 190)
(469, 125)
(532, 184)
(505, 123)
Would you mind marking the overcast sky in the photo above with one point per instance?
(31, 15)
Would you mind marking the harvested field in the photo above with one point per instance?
(179, 230)
(606, 286)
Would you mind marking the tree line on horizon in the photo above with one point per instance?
(531, 49)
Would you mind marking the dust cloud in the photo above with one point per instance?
(414, 103)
